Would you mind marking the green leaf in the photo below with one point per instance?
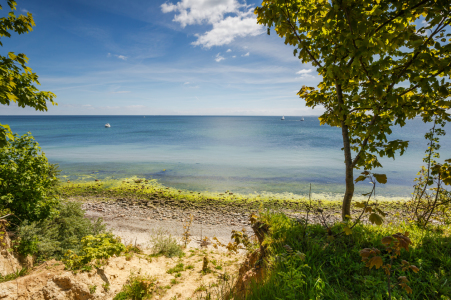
(5, 134)
(383, 214)
(381, 178)
(376, 219)
(360, 178)
(359, 204)
(347, 230)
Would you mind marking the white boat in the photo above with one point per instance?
(107, 125)
(302, 119)
(283, 118)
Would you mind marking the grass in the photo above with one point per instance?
(178, 268)
(333, 269)
(165, 244)
(14, 275)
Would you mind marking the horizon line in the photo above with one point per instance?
(62, 115)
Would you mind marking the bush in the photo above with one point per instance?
(27, 179)
(94, 248)
(138, 287)
(165, 244)
(53, 237)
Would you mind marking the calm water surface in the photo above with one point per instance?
(240, 154)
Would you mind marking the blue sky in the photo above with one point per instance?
(180, 57)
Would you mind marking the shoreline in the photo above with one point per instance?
(139, 187)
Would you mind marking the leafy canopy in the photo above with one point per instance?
(17, 81)
(381, 62)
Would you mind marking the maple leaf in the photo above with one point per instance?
(375, 261)
(387, 240)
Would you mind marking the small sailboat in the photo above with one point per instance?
(302, 119)
(107, 125)
(283, 118)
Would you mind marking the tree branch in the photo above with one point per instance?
(298, 38)
(400, 14)
(355, 46)
(409, 63)
(365, 141)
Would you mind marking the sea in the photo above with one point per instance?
(219, 153)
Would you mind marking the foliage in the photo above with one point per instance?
(432, 203)
(27, 180)
(94, 248)
(334, 267)
(240, 241)
(17, 83)
(378, 68)
(393, 245)
(178, 268)
(138, 287)
(14, 275)
(186, 235)
(53, 237)
(165, 244)
(92, 289)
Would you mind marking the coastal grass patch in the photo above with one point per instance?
(162, 243)
(139, 286)
(14, 275)
(135, 188)
(331, 268)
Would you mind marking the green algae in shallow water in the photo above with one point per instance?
(141, 188)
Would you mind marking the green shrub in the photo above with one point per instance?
(138, 287)
(53, 237)
(165, 244)
(27, 179)
(94, 248)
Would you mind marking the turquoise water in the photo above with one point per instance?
(216, 153)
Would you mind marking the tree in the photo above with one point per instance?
(17, 81)
(378, 67)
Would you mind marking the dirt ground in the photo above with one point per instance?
(51, 281)
(138, 230)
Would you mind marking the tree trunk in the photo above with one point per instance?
(346, 206)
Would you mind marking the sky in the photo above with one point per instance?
(141, 57)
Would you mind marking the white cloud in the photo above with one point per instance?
(108, 55)
(234, 56)
(225, 31)
(199, 11)
(230, 19)
(24, 10)
(219, 57)
(121, 57)
(247, 54)
(186, 82)
(229, 50)
(304, 71)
